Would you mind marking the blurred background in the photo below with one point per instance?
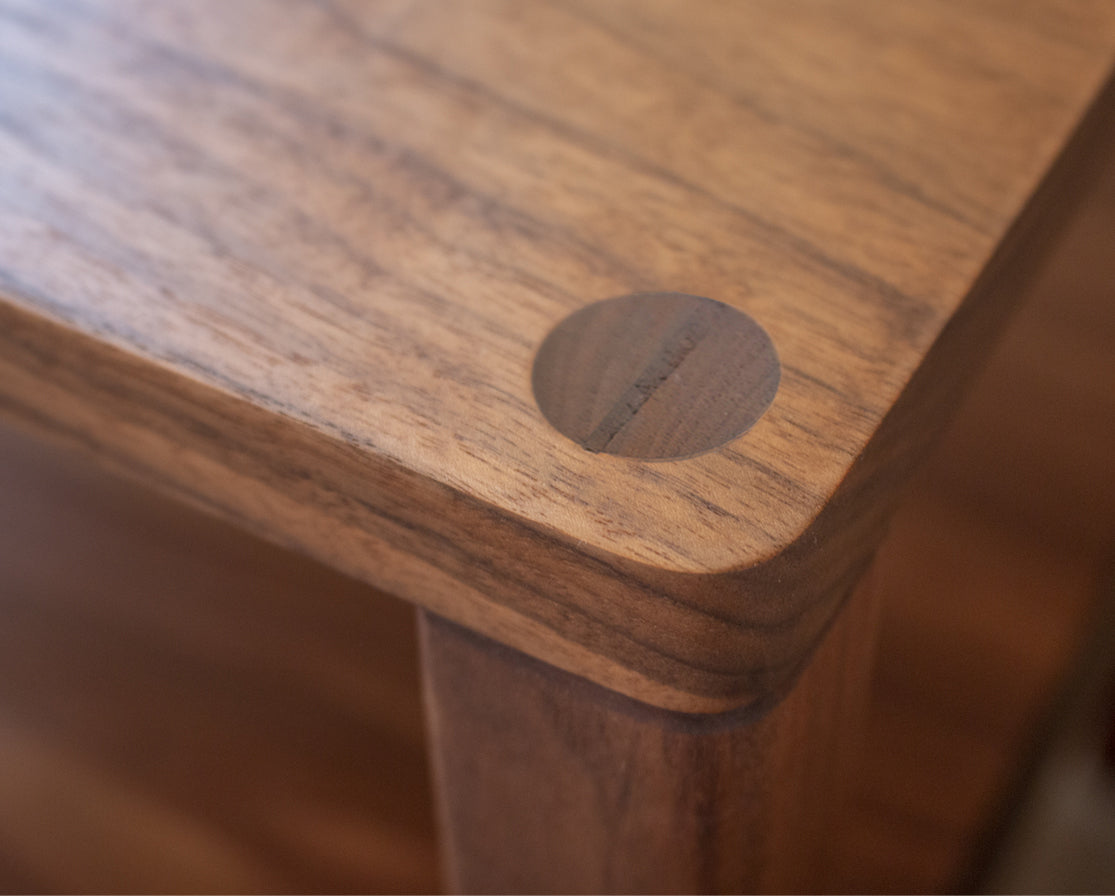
(185, 708)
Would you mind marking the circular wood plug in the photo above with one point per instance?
(656, 376)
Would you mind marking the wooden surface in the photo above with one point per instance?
(125, 680)
(301, 278)
(184, 708)
(547, 783)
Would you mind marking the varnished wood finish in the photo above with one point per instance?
(986, 574)
(659, 376)
(301, 279)
(548, 783)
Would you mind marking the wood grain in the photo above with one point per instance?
(301, 279)
(987, 574)
(547, 783)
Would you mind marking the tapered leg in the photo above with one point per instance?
(547, 783)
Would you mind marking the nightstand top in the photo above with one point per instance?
(346, 229)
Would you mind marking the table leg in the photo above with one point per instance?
(548, 783)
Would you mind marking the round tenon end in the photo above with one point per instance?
(657, 376)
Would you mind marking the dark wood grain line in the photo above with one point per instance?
(131, 119)
(833, 143)
(893, 302)
(776, 234)
(673, 350)
(314, 117)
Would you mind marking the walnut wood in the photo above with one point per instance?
(548, 783)
(301, 279)
(185, 709)
(988, 572)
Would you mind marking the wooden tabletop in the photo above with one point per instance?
(295, 262)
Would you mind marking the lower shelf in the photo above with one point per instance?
(184, 708)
